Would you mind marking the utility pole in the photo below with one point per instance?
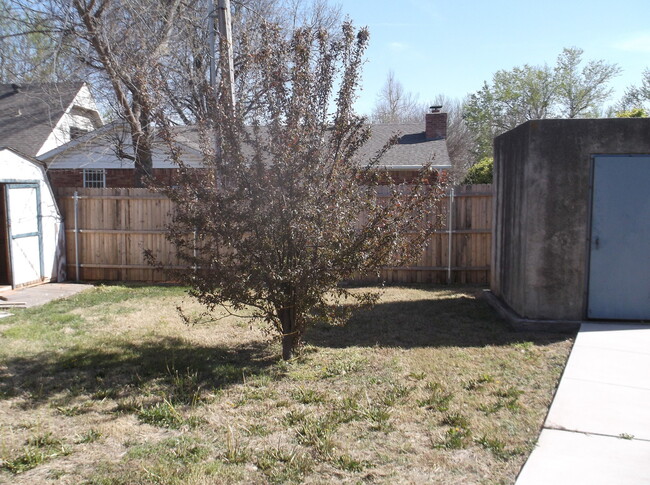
(225, 32)
(223, 28)
(211, 40)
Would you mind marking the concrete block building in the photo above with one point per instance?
(571, 238)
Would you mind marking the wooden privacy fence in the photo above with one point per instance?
(107, 231)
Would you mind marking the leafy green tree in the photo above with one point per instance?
(514, 97)
(633, 113)
(581, 92)
(537, 92)
(481, 173)
(636, 97)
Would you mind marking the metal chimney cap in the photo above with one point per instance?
(435, 109)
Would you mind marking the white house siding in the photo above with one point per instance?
(82, 113)
(15, 169)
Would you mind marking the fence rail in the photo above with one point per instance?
(107, 231)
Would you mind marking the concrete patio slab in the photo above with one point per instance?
(634, 338)
(603, 398)
(604, 365)
(612, 410)
(41, 294)
(563, 457)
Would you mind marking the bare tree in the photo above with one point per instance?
(28, 50)
(184, 78)
(128, 46)
(293, 210)
(395, 105)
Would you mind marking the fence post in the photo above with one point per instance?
(76, 234)
(450, 226)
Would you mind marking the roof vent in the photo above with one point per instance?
(16, 88)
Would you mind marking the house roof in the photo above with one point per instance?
(29, 113)
(98, 149)
(411, 150)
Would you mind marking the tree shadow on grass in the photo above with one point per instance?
(125, 369)
(447, 321)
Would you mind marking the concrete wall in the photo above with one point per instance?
(542, 178)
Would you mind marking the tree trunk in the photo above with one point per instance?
(290, 335)
(288, 346)
(143, 161)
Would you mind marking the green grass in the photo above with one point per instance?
(429, 386)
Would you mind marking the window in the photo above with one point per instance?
(76, 132)
(95, 178)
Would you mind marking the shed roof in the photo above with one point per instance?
(29, 113)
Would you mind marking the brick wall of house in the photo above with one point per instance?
(66, 178)
(123, 177)
(115, 177)
(410, 176)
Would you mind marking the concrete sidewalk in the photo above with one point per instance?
(597, 431)
(41, 294)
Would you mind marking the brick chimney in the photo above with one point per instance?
(436, 124)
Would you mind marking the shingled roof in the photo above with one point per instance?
(412, 151)
(412, 148)
(29, 113)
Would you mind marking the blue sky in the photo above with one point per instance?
(450, 47)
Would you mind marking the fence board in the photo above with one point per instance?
(115, 226)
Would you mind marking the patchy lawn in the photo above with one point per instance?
(111, 387)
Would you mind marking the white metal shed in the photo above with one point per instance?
(32, 239)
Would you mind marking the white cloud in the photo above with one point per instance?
(636, 43)
(397, 47)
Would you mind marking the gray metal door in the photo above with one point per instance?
(619, 267)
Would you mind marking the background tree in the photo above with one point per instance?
(124, 47)
(537, 92)
(275, 224)
(28, 50)
(582, 92)
(635, 98)
(633, 113)
(515, 96)
(395, 105)
(481, 172)
(120, 45)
